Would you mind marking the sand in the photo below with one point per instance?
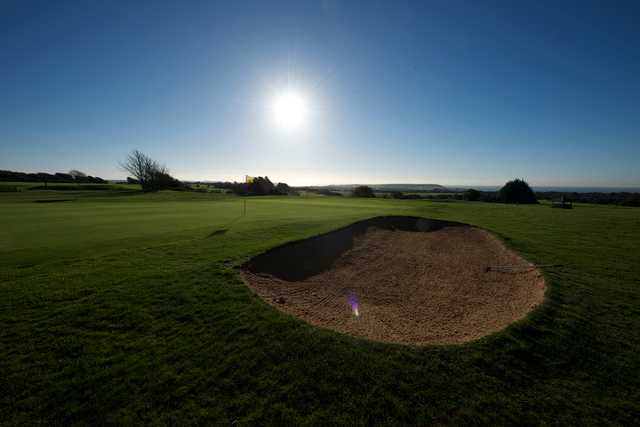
(449, 285)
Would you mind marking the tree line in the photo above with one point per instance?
(515, 191)
(152, 176)
(73, 176)
(259, 186)
(519, 193)
(622, 198)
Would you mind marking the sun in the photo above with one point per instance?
(289, 110)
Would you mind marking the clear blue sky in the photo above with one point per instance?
(444, 92)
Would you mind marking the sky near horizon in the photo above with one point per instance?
(447, 92)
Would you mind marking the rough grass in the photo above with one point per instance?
(125, 309)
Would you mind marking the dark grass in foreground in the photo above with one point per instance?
(125, 308)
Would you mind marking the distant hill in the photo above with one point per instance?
(407, 188)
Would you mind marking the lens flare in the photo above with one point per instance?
(353, 302)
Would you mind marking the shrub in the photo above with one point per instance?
(363, 191)
(472, 195)
(282, 188)
(632, 200)
(517, 191)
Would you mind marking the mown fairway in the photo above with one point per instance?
(118, 307)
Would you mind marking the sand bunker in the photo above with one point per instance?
(401, 280)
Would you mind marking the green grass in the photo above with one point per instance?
(124, 308)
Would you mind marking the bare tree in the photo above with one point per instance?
(140, 166)
(151, 175)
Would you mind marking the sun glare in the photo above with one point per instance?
(289, 110)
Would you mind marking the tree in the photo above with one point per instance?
(64, 177)
(151, 175)
(77, 174)
(261, 186)
(517, 191)
(140, 166)
(362, 191)
(472, 195)
(282, 188)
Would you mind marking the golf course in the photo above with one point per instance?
(123, 307)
